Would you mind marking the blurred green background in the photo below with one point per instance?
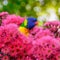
(41, 9)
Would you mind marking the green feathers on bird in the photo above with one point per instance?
(24, 24)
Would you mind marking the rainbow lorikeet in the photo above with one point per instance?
(28, 24)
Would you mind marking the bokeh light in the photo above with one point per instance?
(41, 9)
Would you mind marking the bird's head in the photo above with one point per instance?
(31, 22)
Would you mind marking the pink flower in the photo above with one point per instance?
(42, 43)
(5, 50)
(7, 31)
(13, 19)
(38, 33)
(3, 15)
(54, 27)
(48, 45)
(5, 58)
(57, 56)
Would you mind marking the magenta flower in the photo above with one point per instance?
(38, 32)
(54, 27)
(48, 46)
(42, 43)
(13, 19)
(5, 58)
(3, 15)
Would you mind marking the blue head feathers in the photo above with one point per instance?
(31, 22)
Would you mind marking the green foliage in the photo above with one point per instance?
(26, 7)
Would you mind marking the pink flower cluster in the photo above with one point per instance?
(54, 27)
(7, 19)
(13, 44)
(43, 43)
(3, 15)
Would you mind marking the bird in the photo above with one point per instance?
(28, 24)
(31, 22)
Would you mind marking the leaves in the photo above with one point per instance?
(19, 7)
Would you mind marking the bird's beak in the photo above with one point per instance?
(36, 23)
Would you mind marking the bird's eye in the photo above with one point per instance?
(33, 21)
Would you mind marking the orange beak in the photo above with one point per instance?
(36, 23)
